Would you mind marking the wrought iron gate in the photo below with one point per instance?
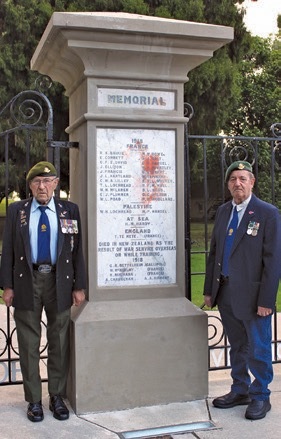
(29, 125)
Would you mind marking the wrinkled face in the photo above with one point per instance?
(42, 188)
(240, 185)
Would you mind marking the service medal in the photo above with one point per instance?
(250, 228)
(255, 229)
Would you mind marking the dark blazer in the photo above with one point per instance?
(255, 261)
(16, 265)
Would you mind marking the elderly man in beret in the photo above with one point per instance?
(42, 267)
(242, 278)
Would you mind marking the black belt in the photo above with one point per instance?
(44, 268)
(223, 279)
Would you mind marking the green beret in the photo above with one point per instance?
(238, 166)
(42, 169)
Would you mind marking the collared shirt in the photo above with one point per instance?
(33, 228)
(240, 209)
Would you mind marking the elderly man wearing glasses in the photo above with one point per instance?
(42, 267)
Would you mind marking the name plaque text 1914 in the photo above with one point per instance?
(136, 207)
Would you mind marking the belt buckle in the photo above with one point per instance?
(45, 268)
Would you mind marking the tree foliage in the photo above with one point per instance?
(237, 91)
(211, 87)
(259, 79)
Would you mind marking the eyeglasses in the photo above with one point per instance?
(44, 181)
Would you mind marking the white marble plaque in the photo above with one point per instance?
(136, 207)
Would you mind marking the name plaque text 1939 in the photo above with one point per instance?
(136, 207)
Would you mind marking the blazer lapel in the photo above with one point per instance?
(62, 213)
(23, 217)
(223, 224)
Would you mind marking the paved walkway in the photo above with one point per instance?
(222, 424)
(227, 424)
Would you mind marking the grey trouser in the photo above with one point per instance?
(28, 325)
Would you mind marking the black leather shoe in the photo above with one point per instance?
(58, 407)
(231, 399)
(257, 409)
(35, 412)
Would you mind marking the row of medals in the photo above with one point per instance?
(253, 228)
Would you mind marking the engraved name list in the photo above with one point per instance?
(136, 205)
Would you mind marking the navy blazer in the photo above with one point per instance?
(16, 265)
(254, 262)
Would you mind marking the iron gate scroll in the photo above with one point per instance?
(26, 136)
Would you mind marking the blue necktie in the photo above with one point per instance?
(230, 235)
(43, 251)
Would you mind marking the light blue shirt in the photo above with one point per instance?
(33, 227)
(240, 209)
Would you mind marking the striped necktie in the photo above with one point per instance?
(230, 235)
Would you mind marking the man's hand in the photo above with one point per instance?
(78, 297)
(8, 295)
(263, 312)
(208, 301)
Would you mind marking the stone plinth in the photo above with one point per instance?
(138, 341)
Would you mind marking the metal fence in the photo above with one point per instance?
(26, 124)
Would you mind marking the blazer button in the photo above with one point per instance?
(67, 277)
(21, 275)
(21, 258)
(67, 261)
(218, 280)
